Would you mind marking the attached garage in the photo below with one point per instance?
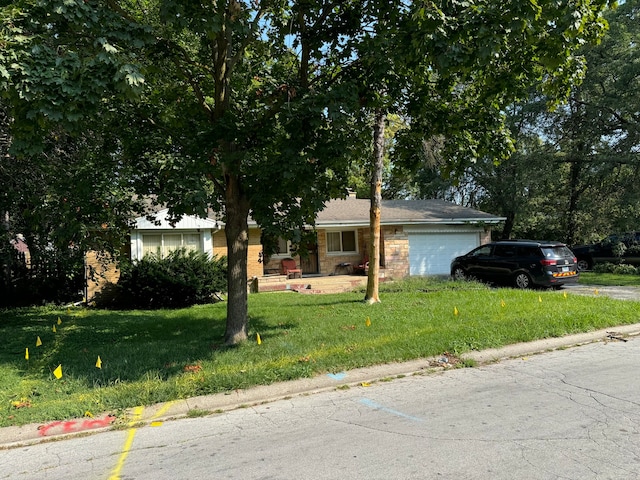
(431, 252)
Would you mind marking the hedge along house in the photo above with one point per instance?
(418, 237)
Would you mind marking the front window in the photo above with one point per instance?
(163, 244)
(342, 242)
(283, 248)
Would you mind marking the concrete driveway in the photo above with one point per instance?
(619, 293)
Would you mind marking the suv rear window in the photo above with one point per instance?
(556, 252)
(528, 251)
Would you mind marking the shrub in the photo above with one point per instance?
(619, 269)
(624, 269)
(633, 250)
(603, 267)
(48, 276)
(180, 280)
(618, 249)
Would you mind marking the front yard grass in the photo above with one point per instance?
(155, 356)
(609, 279)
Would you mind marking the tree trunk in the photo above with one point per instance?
(575, 171)
(237, 233)
(508, 225)
(371, 295)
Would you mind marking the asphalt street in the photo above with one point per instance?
(570, 413)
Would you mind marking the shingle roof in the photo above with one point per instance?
(355, 211)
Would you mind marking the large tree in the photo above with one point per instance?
(574, 173)
(597, 134)
(238, 106)
(452, 68)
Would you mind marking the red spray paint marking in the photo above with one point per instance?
(71, 426)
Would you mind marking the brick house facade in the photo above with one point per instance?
(418, 237)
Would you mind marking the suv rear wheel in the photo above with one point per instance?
(522, 280)
(583, 264)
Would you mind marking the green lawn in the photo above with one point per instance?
(155, 356)
(609, 279)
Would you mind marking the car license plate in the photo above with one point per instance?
(565, 269)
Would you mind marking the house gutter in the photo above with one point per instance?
(451, 221)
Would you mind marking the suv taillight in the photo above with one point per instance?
(546, 262)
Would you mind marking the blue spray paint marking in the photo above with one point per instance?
(375, 406)
(337, 376)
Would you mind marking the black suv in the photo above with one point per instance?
(617, 248)
(523, 263)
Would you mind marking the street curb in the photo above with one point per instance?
(14, 437)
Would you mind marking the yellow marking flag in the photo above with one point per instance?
(53, 329)
(59, 321)
(99, 362)
(539, 298)
(596, 291)
(258, 339)
(26, 354)
(38, 342)
(58, 372)
(455, 311)
(502, 304)
(565, 295)
(367, 322)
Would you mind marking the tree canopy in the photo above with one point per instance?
(452, 68)
(572, 174)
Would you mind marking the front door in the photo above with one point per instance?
(309, 263)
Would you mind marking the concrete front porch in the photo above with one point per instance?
(307, 284)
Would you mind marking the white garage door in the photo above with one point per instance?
(431, 253)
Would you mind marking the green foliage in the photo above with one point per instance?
(618, 249)
(72, 196)
(574, 174)
(633, 250)
(181, 279)
(615, 268)
(29, 279)
(470, 60)
(63, 78)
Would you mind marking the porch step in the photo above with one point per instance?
(309, 285)
(270, 279)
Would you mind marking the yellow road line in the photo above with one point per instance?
(115, 474)
(164, 408)
(137, 413)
